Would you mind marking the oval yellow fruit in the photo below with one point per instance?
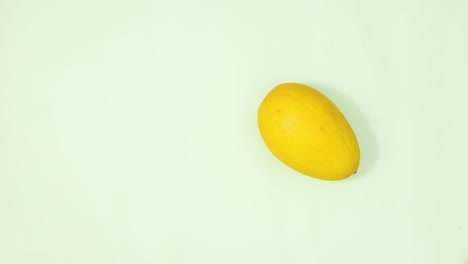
(306, 131)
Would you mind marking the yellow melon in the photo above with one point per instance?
(307, 132)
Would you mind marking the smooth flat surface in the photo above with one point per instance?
(128, 132)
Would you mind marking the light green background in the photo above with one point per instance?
(128, 132)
